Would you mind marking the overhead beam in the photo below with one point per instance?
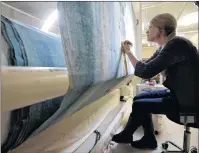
(155, 5)
(20, 11)
(26, 18)
(181, 10)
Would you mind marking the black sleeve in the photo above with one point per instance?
(162, 61)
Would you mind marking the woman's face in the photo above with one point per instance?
(153, 33)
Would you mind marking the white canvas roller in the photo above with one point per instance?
(23, 86)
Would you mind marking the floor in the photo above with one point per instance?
(171, 131)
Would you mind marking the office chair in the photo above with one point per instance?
(188, 120)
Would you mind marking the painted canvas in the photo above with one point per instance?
(91, 34)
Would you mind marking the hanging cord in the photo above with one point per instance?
(98, 136)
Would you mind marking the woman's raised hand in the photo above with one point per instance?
(126, 46)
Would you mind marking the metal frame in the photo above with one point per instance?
(186, 143)
(187, 137)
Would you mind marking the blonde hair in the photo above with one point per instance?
(167, 23)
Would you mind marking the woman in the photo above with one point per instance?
(178, 58)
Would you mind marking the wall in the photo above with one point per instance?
(148, 52)
(195, 39)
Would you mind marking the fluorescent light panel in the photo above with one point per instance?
(188, 19)
(50, 20)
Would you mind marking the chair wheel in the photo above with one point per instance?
(156, 132)
(193, 150)
(165, 146)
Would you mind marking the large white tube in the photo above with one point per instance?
(23, 86)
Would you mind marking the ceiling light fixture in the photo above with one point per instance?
(188, 19)
(50, 20)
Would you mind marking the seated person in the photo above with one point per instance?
(177, 57)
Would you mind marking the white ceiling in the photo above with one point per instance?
(178, 9)
(42, 10)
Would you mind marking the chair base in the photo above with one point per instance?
(186, 144)
(166, 145)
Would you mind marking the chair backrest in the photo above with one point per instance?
(193, 117)
(197, 117)
(196, 65)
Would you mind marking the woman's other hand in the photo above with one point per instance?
(126, 46)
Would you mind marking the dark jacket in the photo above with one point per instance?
(180, 59)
